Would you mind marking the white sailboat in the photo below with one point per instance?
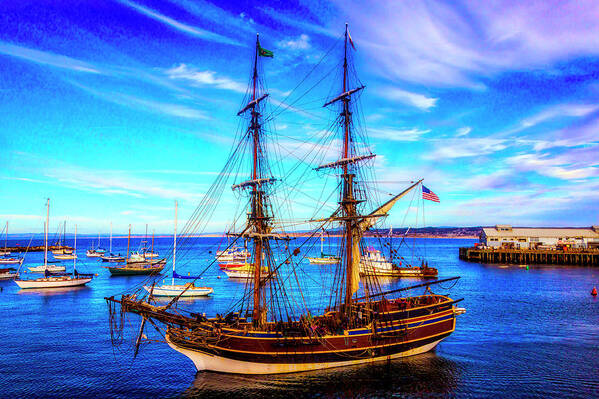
(53, 268)
(4, 258)
(183, 290)
(95, 252)
(5, 252)
(324, 259)
(151, 254)
(61, 250)
(112, 257)
(58, 280)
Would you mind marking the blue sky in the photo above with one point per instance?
(113, 109)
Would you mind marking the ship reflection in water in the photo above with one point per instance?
(423, 375)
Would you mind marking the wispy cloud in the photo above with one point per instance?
(397, 134)
(414, 99)
(204, 78)
(463, 131)
(300, 23)
(575, 164)
(106, 182)
(455, 44)
(148, 105)
(301, 43)
(48, 58)
(181, 27)
(552, 113)
(466, 147)
(211, 12)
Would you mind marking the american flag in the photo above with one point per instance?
(429, 195)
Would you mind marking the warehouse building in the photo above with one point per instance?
(506, 236)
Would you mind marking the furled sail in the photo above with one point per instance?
(357, 236)
(181, 276)
(382, 211)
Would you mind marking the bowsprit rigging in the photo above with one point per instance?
(272, 328)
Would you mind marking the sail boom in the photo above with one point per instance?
(254, 182)
(345, 161)
(341, 218)
(252, 104)
(275, 236)
(344, 95)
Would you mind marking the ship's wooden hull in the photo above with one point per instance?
(211, 362)
(392, 335)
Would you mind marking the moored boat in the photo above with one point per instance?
(8, 273)
(181, 290)
(95, 252)
(58, 278)
(246, 271)
(11, 260)
(136, 269)
(374, 263)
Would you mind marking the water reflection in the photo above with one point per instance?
(422, 375)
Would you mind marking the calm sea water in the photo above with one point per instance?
(526, 333)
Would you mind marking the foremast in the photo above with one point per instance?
(258, 219)
(348, 202)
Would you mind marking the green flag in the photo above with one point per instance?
(262, 52)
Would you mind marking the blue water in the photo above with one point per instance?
(526, 333)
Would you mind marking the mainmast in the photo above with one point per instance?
(348, 202)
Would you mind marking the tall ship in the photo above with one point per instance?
(274, 328)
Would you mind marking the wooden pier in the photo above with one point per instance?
(583, 257)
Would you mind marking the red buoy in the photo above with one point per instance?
(594, 291)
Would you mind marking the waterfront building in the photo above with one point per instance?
(506, 236)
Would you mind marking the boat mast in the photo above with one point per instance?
(110, 238)
(256, 214)
(153, 240)
(6, 239)
(174, 245)
(46, 234)
(348, 203)
(145, 248)
(128, 241)
(75, 251)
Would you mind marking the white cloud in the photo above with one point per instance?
(47, 58)
(453, 44)
(463, 131)
(561, 167)
(188, 29)
(462, 148)
(397, 134)
(127, 100)
(204, 78)
(414, 99)
(301, 43)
